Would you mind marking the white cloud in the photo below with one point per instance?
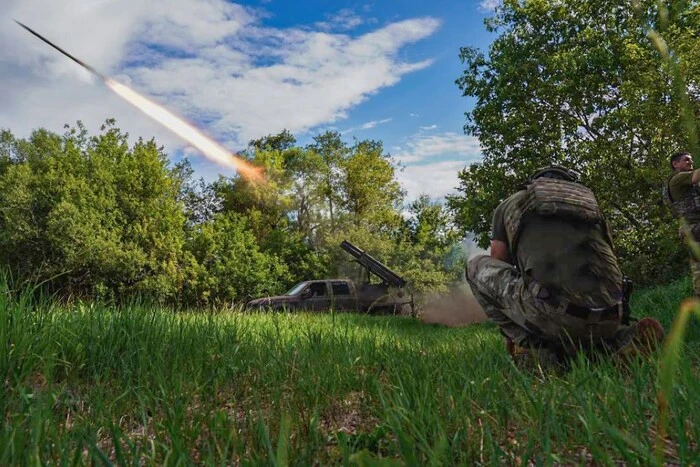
(489, 5)
(374, 123)
(436, 180)
(413, 115)
(421, 148)
(209, 60)
(431, 163)
(430, 127)
(345, 20)
(367, 126)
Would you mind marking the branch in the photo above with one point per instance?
(630, 218)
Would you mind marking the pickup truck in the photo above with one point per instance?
(339, 295)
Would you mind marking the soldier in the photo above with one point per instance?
(683, 195)
(552, 283)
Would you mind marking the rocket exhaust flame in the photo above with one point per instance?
(208, 147)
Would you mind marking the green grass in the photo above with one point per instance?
(137, 385)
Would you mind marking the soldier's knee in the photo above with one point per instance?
(474, 265)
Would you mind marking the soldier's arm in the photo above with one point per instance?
(685, 179)
(696, 176)
(499, 237)
(499, 250)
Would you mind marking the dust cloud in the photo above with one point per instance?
(458, 307)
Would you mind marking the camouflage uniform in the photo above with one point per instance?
(684, 199)
(527, 320)
(695, 274)
(564, 288)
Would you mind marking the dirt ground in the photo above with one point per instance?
(458, 307)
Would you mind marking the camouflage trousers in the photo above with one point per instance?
(695, 275)
(694, 263)
(527, 320)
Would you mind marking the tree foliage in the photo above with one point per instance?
(93, 216)
(370, 192)
(229, 264)
(580, 83)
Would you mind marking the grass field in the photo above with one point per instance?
(136, 385)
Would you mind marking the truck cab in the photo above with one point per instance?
(389, 296)
(316, 295)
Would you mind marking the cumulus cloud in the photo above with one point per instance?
(429, 127)
(489, 5)
(374, 123)
(431, 162)
(421, 148)
(368, 125)
(344, 20)
(212, 61)
(437, 179)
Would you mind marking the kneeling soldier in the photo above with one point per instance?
(552, 282)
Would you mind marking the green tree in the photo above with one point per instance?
(422, 272)
(580, 83)
(8, 150)
(370, 191)
(333, 151)
(279, 142)
(198, 197)
(283, 212)
(265, 204)
(229, 265)
(436, 241)
(307, 171)
(92, 215)
(430, 224)
(301, 259)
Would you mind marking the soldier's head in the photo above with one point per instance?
(556, 171)
(681, 161)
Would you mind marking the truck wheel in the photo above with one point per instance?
(380, 310)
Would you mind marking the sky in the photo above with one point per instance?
(382, 70)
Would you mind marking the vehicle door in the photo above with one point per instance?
(316, 297)
(343, 297)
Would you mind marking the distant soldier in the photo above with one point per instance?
(552, 282)
(683, 195)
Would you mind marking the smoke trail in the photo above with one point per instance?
(208, 147)
(458, 307)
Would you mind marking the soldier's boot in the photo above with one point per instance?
(514, 350)
(642, 337)
(539, 356)
(695, 276)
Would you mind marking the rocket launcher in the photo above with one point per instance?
(373, 266)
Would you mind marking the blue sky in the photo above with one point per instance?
(368, 69)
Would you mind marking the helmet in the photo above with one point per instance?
(556, 171)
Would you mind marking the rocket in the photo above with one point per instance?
(209, 148)
(75, 59)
